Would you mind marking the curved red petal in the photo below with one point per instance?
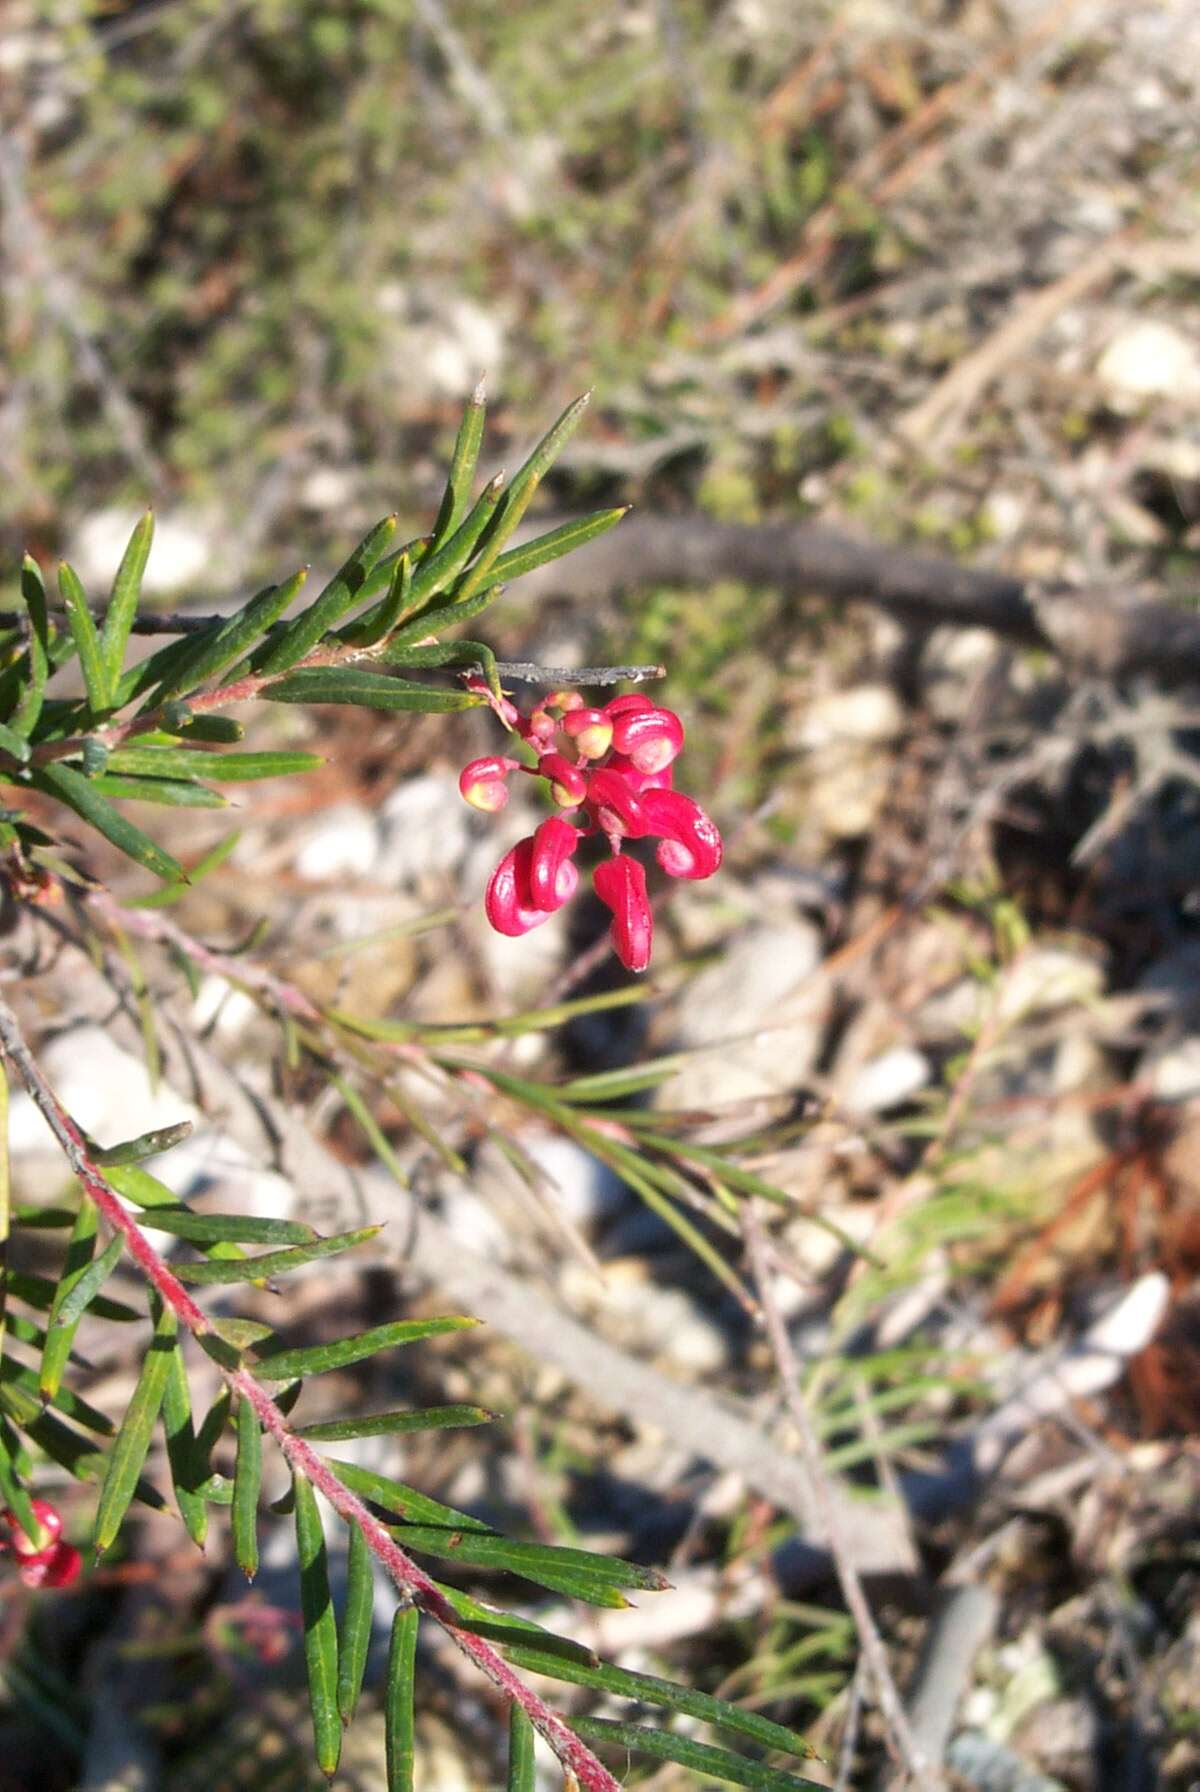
(552, 877)
(621, 886)
(621, 706)
(691, 844)
(651, 737)
(508, 901)
(615, 804)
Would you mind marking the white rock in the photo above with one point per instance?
(425, 830)
(866, 713)
(182, 551)
(1174, 1072)
(887, 1081)
(1150, 359)
(328, 488)
(343, 841)
(1046, 977)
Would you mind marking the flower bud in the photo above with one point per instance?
(564, 701)
(625, 705)
(482, 782)
(651, 737)
(621, 885)
(58, 1566)
(591, 730)
(31, 1549)
(540, 728)
(568, 785)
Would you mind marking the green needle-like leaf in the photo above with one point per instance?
(235, 1228)
(320, 1627)
(461, 477)
(697, 1757)
(299, 637)
(521, 1767)
(272, 1263)
(399, 1732)
(438, 569)
(38, 1292)
(203, 658)
(80, 1297)
(37, 655)
(81, 795)
(132, 1443)
(200, 870)
(222, 768)
(247, 1481)
(60, 1333)
(360, 689)
(126, 595)
(553, 545)
(12, 744)
(314, 1359)
(86, 635)
(170, 793)
(520, 493)
(377, 622)
(187, 1464)
(389, 1424)
(12, 1488)
(147, 1144)
(354, 1637)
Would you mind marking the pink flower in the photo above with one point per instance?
(46, 1562)
(621, 885)
(622, 777)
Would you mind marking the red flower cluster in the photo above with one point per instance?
(621, 777)
(51, 1563)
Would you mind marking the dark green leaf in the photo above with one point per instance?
(364, 690)
(82, 623)
(79, 1298)
(554, 544)
(80, 794)
(223, 768)
(204, 657)
(247, 1480)
(399, 1734)
(430, 622)
(60, 1334)
(407, 1502)
(354, 1637)
(438, 569)
(320, 1627)
(213, 730)
(148, 1144)
(697, 1757)
(314, 1359)
(272, 1263)
(521, 1775)
(188, 1467)
(126, 595)
(132, 1443)
(12, 744)
(37, 654)
(170, 793)
(377, 622)
(12, 1489)
(650, 1690)
(386, 1424)
(200, 870)
(37, 1292)
(520, 493)
(236, 1228)
(78, 1455)
(71, 1405)
(300, 636)
(506, 1627)
(580, 1575)
(463, 462)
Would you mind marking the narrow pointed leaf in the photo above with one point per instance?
(598, 1580)
(377, 622)
(271, 1263)
(554, 544)
(188, 1471)
(78, 1455)
(430, 622)
(507, 1628)
(247, 1481)
(169, 793)
(521, 1766)
(80, 794)
(361, 689)
(12, 1489)
(147, 1144)
(697, 1757)
(231, 641)
(132, 1443)
(60, 1334)
(354, 1636)
(12, 744)
(320, 1628)
(37, 655)
(126, 595)
(200, 870)
(222, 768)
(299, 637)
(80, 1297)
(236, 1228)
(220, 731)
(82, 623)
(396, 1424)
(38, 1292)
(520, 493)
(463, 462)
(649, 1689)
(314, 1359)
(71, 1405)
(399, 1730)
(438, 569)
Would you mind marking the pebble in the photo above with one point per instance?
(1149, 359)
(887, 1082)
(343, 841)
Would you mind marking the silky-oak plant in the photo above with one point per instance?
(156, 728)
